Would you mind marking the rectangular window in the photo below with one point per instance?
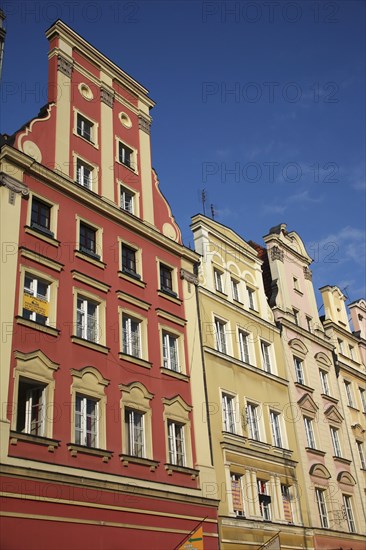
(361, 454)
(87, 319)
(349, 395)
(134, 422)
(176, 443)
(131, 336)
(276, 428)
(309, 323)
(266, 357)
(86, 421)
(127, 200)
(84, 174)
(84, 128)
(309, 430)
(129, 261)
(296, 283)
(341, 346)
(253, 421)
(166, 280)
(352, 352)
(244, 346)
(296, 316)
(286, 501)
(41, 216)
(335, 441)
(237, 495)
(88, 240)
(251, 298)
(126, 156)
(218, 280)
(228, 412)
(235, 290)
(322, 507)
(170, 352)
(36, 299)
(299, 371)
(363, 399)
(31, 407)
(220, 336)
(347, 507)
(264, 499)
(324, 382)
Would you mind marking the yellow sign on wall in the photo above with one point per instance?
(37, 305)
(195, 541)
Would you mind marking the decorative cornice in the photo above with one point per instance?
(13, 185)
(277, 253)
(106, 96)
(144, 124)
(188, 276)
(64, 65)
(308, 274)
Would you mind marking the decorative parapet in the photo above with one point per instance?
(106, 96)
(308, 274)
(277, 253)
(64, 65)
(144, 124)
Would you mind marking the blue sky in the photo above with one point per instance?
(262, 104)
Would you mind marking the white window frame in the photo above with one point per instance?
(363, 399)
(170, 352)
(127, 199)
(83, 329)
(176, 433)
(361, 454)
(349, 393)
(221, 337)
(218, 276)
(80, 128)
(228, 412)
(334, 433)
(84, 174)
(135, 432)
(84, 417)
(275, 420)
(299, 370)
(235, 285)
(238, 479)
(324, 381)
(244, 347)
(309, 430)
(266, 356)
(32, 290)
(322, 507)
(131, 335)
(254, 430)
(296, 313)
(34, 406)
(251, 298)
(341, 346)
(348, 512)
(309, 323)
(265, 509)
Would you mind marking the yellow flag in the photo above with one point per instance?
(195, 541)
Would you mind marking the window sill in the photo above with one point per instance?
(75, 449)
(37, 326)
(353, 408)
(298, 292)
(169, 297)
(303, 387)
(315, 451)
(133, 170)
(170, 468)
(88, 344)
(174, 374)
(134, 280)
(48, 442)
(259, 444)
(129, 459)
(43, 236)
(89, 259)
(342, 460)
(92, 143)
(238, 302)
(221, 293)
(329, 398)
(135, 360)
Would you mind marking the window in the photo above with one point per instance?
(228, 412)
(131, 336)
(296, 316)
(237, 495)
(322, 507)
(335, 441)
(127, 200)
(340, 346)
(347, 507)
(176, 443)
(324, 382)
(126, 156)
(84, 174)
(349, 395)
(363, 399)
(220, 336)
(286, 502)
(170, 352)
(296, 283)
(253, 423)
(309, 430)
(275, 419)
(264, 499)
(266, 358)
(88, 240)
(218, 280)
(251, 298)
(134, 423)
(244, 346)
(352, 352)
(309, 323)
(235, 290)
(166, 279)
(129, 261)
(87, 319)
(36, 299)
(86, 421)
(84, 128)
(299, 370)
(41, 216)
(31, 407)
(361, 454)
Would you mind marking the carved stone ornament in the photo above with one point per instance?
(144, 124)
(13, 185)
(188, 276)
(64, 65)
(308, 274)
(276, 253)
(106, 97)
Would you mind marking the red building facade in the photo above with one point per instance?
(98, 432)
